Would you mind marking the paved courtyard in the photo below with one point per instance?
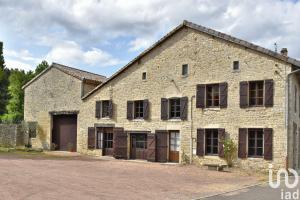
(38, 177)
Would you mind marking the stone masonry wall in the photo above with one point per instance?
(210, 61)
(11, 135)
(54, 91)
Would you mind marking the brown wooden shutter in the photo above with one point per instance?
(242, 149)
(183, 108)
(91, 138)
(151, 147)
(223, 95)
(200, 96)
(269, 93)
(161, 145)
(110, 109)
(119, 143)
(268, 144)
(129, 110)
(221, 138)
(164, 109)
(244, 90)
(200, 142)
(146, 109)
(98, 109)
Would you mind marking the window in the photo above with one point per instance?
(105, 108)
(211, 142)
(138, 109)
(185, 70)
(236, 65)
(140, 141)
(144, 76)
(256, 93)
(99, 140)
(255, 142)
(212, 95)
(175, 108)
(174, 141)
(108, 140)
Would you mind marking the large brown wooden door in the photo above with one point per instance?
(174, 146)
(119, 143)
(162, 146)
(138, 146)
(64, 133)
(105, 140)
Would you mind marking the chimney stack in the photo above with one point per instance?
(284, 52)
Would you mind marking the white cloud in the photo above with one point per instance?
(140, 44)
(12, 64)
(69, 52)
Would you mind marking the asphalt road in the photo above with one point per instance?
(262, 192)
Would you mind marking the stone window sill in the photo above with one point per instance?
(174, 120)
(212, 109)
(138, 120)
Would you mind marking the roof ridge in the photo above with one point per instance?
(54, 63)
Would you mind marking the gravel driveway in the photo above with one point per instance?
(88, 178)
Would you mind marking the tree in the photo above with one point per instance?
(41, 67)
(4, 74)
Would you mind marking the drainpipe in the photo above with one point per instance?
(191, 139)
(287, 96)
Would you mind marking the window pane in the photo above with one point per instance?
(259, 151)
(251, 151)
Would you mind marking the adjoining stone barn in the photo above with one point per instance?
(176, 102)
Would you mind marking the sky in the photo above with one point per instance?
(101, 36)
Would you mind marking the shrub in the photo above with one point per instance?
(230, 151)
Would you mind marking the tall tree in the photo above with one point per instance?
(41, 67)
(4, 74)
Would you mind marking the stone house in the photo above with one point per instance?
(53, 99)
(180, 98)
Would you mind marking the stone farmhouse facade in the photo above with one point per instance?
(177, 102)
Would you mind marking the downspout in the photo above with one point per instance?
(191, 136)
(287, 96)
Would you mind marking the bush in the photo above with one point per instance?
(230, 151)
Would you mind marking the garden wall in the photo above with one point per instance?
(11, 135)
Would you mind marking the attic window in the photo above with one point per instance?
(236, 65)
(185, 70)
(144, 76)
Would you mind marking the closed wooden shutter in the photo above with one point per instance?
(269, 93)
(151, 147)
(183, 108)
(242, 148)
(119, 143)
(110, 109)
(200, 142)
(129, 110)
(146, 109)
(98, 109)
(161, 145)
(91, 138)
(223, 95)
(221, 133)
(164, 109)
(268, 144)
(244, 90)
(200, 96)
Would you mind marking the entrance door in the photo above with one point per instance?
(174, 146)
(162, 146)
(138, 146)
(64, 133)
(108, 144)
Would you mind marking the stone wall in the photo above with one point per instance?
(11, 135)
(210, 60)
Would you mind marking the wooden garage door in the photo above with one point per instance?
(64, 134)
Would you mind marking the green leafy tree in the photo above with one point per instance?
(230, 151)
(4, 74)
(41, 67)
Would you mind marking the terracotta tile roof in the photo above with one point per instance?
(208, 31)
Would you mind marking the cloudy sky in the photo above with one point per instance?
(103, 35)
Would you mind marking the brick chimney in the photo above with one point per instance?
(284, 52)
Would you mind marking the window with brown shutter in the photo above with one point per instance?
(164, 109)
(200, 142)
(105, 109)
(269, 93)
(268, 144)
(212, 95)
(130, 110)
(244, 94)
(183, 108)
(110, 109)
(138, 109)
(200, 96)
(221, 133)
(146, 109)
(211, 141)
(242, 147)
(91, 138)
(255, 142)
(174, 108)
(98, 109)
(223, 94)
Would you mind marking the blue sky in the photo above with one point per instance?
(103, 35)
